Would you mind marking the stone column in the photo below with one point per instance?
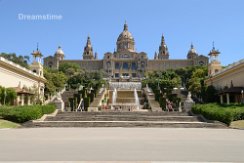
(221, 99)
(228, 98)
(18, 100)
(22, 99)
(29, 99)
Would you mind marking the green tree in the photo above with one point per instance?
(70, 69)
(7, 96)
(20, 60)
(55, 81)
(210, 94)
(196, 82)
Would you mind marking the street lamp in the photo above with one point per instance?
(5, 93)
(242, 98)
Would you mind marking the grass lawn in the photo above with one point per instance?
(8, 124)
(237, 124)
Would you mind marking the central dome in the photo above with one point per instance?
(125, 41)
(125, 34)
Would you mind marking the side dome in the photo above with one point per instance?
(59, 53)
(125, 41)
(192, 53)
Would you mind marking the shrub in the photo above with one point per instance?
(21, 114)
(47, 109)
(222, 113)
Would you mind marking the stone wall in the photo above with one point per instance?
(157, 65)
(89, 65)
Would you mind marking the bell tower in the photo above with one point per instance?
(163, 50)
(214, 65)
(36, 65)
(88, 50)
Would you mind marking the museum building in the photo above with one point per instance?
(125, 61)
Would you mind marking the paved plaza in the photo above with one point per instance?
(122, 144)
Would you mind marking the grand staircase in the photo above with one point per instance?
(125, 119)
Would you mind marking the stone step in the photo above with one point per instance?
(78, 114)
(124, 124)
(124, 118)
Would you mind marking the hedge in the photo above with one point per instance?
(21, 114)
(222, 113)
(48, 109)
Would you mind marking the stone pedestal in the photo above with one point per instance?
(188, 103)
(59, 102)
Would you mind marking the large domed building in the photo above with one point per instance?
(126, 61)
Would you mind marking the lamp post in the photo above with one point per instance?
(4, 99)
(242, 98)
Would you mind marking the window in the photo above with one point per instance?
(117, 66)
(201, 63)
(133, 66)
(117, 75)
(108, 64)
(125, 66)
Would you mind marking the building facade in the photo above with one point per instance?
(28, 83)
(125, 61)
(228, 81)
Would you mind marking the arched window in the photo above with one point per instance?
(50, 64)
(133, 66)
(125, 66)
(117, 66)
(108, 64)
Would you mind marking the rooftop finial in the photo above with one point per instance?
(88, 40)
(213, 46)
(125, 26)
(37, 46)
(162, 39)
(192, 47)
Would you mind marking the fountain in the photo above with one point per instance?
(136, 99)
(125, 96)
(125, 85)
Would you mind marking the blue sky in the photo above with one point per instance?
(182, 22)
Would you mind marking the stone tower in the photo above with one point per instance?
(125, 41)
(88, 51)
(214, 65)
(163, 50)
